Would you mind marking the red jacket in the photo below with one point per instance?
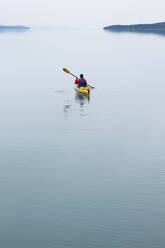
(76, 81)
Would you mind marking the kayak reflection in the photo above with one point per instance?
(71, 109)
(82, 99)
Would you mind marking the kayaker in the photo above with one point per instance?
(81, 82)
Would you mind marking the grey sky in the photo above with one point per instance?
(80, 12)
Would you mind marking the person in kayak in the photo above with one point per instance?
(81, 82)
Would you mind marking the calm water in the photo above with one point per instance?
(74, 172)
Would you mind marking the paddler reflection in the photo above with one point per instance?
(82, 99)
(78, 107)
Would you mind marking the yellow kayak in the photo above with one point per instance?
(82, 90)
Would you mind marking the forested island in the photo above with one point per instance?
(13, 28)
(141, 28)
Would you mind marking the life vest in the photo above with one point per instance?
(82, 82)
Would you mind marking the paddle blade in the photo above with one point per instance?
(66, 70)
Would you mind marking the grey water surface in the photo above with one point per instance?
(78, 172)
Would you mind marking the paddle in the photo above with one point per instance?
(67, 71)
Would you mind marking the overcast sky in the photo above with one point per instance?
(80, 12)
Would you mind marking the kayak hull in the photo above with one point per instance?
(82, 90)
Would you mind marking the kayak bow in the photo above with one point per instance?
(82, 90)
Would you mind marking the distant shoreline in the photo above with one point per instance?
(147, 28)
(18, 27)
